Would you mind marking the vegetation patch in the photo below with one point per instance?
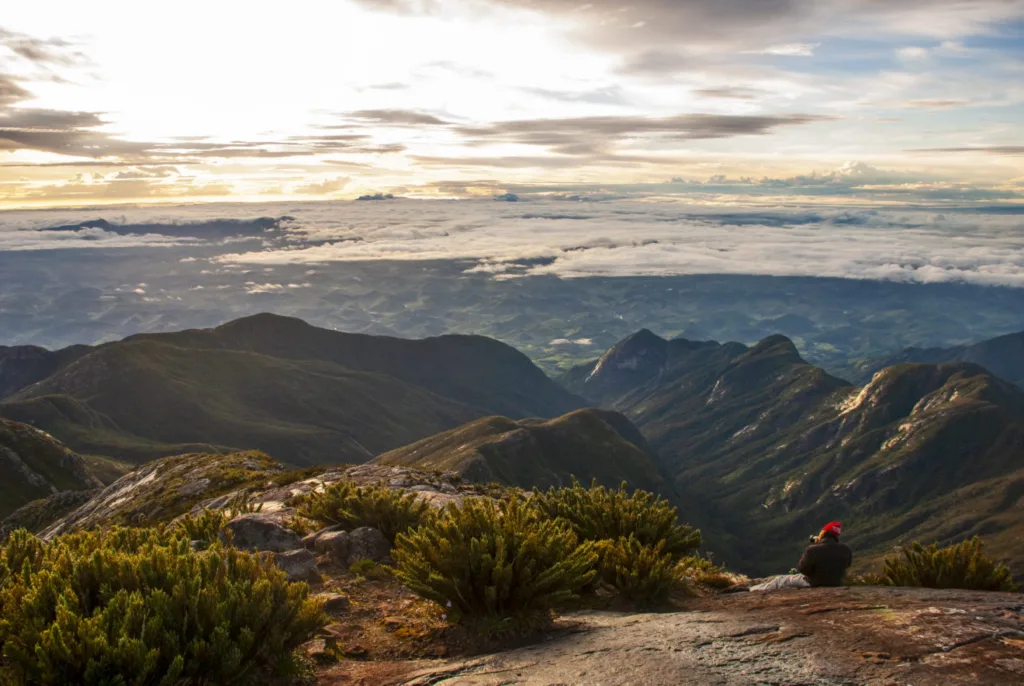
(503, 565)
(643, 574)
(139, 606)
(599, 514)
(964, 565)
(391, 511)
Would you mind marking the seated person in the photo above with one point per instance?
(824, 563)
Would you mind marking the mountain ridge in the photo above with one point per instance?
(267, 382)
(775, 446)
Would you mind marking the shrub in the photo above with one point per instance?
(502, 564)
(206, 526)
(702, 571)
(958, 566)
(139, 606)
(242, 504)
(368, 569)
(599, 514)
(644, 574)
(392, 512)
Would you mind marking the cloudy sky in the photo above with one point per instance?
(852, 101)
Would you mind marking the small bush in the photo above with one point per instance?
(703, 572)
(242, 504)
(958, 566)
(644, 574)
(602, 514)
(139, 606)
(504, 565)
(368, 569)
(392, 512)
(206, 526)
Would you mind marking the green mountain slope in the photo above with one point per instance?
(588, 444)
(772, 447)
(34, 465)
(307, 395)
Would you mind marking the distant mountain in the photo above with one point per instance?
(34, 465)
(772, 447)
(23, 365)
(1003, 356)
(588, 444)
(306, 395)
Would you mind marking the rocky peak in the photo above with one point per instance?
(634, 359)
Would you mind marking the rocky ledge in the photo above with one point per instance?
(814, 636)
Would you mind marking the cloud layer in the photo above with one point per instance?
(536, 237)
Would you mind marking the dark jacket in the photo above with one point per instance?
(825, 563)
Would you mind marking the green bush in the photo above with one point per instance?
(702, 571)
(502, 563)
(602, 514)
(391, 511)
(644, 574)
(242, 504)
(139, 607)
(958, 566)
(207, 526)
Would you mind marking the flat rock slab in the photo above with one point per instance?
(812, 636)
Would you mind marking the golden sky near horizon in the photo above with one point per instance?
(831, 100)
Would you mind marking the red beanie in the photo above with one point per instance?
(834, 528)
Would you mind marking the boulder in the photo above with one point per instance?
(299, 565)
(335, 604)
(337, 544)
(366, 543)
(258, 531)
(310, 540)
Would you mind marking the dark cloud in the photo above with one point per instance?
(592, 135)
(729, 93)
(936, 104)
(660, 63)
(66, 133)
(396, 118)
(989, 149)
(209, 229)
(11, 91)
(746, 25)
(502, 162)
(50, 51)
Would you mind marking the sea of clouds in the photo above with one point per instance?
(626, 237)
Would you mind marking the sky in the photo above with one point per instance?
(855, 102)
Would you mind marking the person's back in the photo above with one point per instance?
(825, 563)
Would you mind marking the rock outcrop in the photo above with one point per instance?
(812, 636)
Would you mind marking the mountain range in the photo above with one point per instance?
(306, 395)
(1003, 356)
(754, 445)
(773, 447)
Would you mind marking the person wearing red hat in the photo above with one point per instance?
(825, 561)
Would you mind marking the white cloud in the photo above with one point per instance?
(660, 237)
(715, 229)
(789, 50)
(913, 53)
